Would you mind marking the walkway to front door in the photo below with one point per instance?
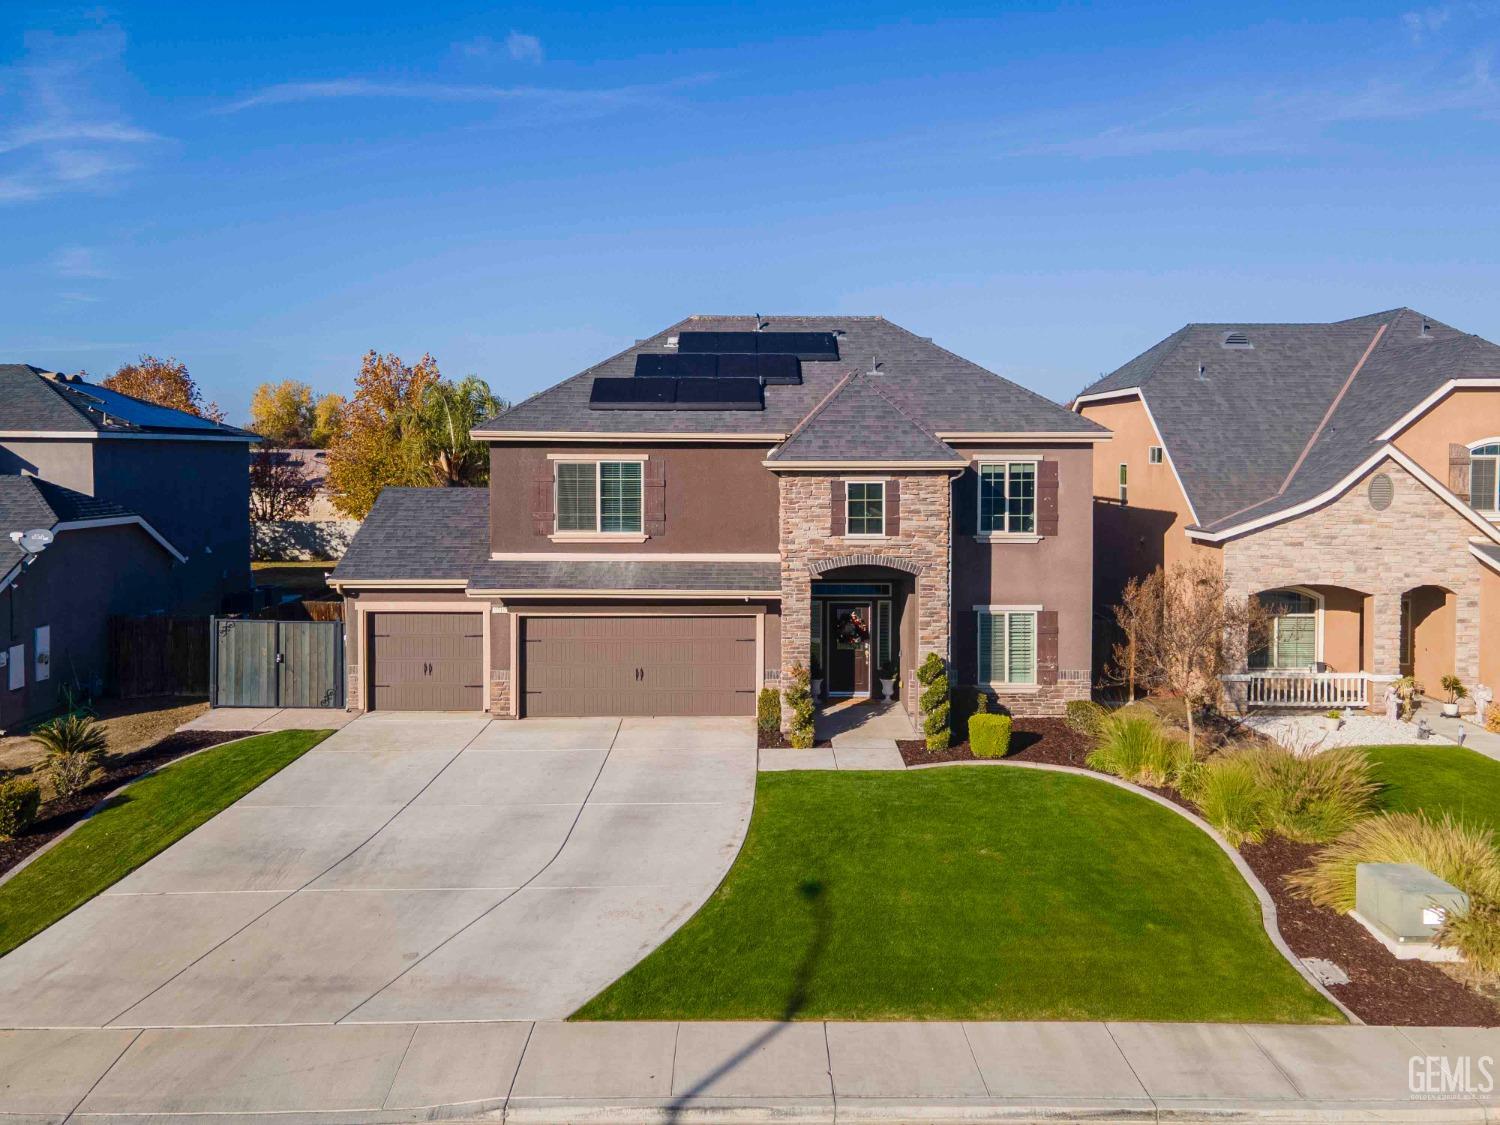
(854, 721)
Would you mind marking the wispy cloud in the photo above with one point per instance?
(517, 46)
(1423, 22)
(78, 262)
(560, 98)
(1281, 121)
(62, 133)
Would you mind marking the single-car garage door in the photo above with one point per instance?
(427, 662)
(670, 665)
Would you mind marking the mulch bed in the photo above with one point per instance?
(58, 815)
(1031, 740)
(1381, 989)
(777, 740)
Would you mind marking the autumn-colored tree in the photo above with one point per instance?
(327, 418)
(371, 449)
(282, 413)
(165, 382)
(442, 441)
(279, 490)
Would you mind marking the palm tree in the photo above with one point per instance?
(438, 436)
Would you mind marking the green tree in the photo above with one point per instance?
(328, 414)
(282, 413)
(165, 382)
(371, 449)
(441, 440)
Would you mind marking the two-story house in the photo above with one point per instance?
(148, 512)
(1343, 473)
(682, 523)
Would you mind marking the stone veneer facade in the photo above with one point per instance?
(922, 544)
(1419, 540)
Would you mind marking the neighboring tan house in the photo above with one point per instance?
(323, 532)
(680, 524)
(1344, 473)
(149, 513)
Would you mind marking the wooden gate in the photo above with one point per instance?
(276, 663)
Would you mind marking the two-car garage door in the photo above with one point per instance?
(640, 665)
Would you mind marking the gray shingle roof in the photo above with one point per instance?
(1238, 430)
(420, 533)
(939, 390)
(32, 400)
(27, 503)
(612, 574)
(858, 421)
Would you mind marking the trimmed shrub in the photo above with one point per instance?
(936, 708)
(768, 710)
(989, 735)
(1461, 854)
(799, 699)
(1085, 716)
(75, 749)
(20, 798)
(1136, 748)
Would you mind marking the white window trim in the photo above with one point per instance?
(884, 508)
(1317, 616)
(1006, 686)
(1492, 514)
(1155, 455)
(1006, 536)
(1122, 483)
(596, 535)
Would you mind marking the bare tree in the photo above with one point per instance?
(1183, 631)
(278, 488)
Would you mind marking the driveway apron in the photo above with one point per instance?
(411, 868)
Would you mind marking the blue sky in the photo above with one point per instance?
(266, 193)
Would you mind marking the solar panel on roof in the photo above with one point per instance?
(716, 343)
(776, 370)
(676, 366)
(720, 394)
(803, 345)
(739, 366)
(632, 394)
(132, 411)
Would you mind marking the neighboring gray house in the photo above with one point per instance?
(149, 509)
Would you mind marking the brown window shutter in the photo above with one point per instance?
(1458, 471)
(1046, 647)
(654, 498)
(838, 522)
(1046, 498)
(966, 501)
(542, 512)
(893, 507)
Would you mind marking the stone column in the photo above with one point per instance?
(1385, 660)
(1466, 638)
(796, 623)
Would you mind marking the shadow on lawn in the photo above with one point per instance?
(814, 892)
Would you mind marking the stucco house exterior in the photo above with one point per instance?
(684, 522)
(1345, 473)
(149, 512)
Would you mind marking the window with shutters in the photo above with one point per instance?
(865, 507)
(1483, 477)
(602, 497)
(1007, 646)
(1007, 498)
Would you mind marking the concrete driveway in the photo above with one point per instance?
(411, 868)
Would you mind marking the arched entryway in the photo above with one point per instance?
(863, 616)
(1429, 618)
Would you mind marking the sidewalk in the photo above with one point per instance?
(272, 718)
(653, 1072)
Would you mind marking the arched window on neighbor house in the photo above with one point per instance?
(1293, 639)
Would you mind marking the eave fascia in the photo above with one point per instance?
(652, 595)
(504, 437)
(1023, 438)
(1432, 400)
(398, 583)
(123, 521)
(1104, 396)
(857, 466)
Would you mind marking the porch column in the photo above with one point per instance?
(796, 623)
(1385, 659)
(1466, 627)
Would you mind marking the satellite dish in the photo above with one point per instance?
(33, 541)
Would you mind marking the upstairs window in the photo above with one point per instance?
(865, 507)
(599, 496)
(1007, 498)
(1155, 455)
(1483, 477)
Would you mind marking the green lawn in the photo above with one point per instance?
(968, 894)
(1439, 779)
(148, 816)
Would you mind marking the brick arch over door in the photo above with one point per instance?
(820, 567)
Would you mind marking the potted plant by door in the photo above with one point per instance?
(887, 674)
(1456, 691)
(817, 680)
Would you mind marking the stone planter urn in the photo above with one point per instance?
(1450, 710)
(888, 688)
(817, 689)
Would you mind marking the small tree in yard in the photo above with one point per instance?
(1184, 631)
(75, 747)
(278, 488)
(1138, 617)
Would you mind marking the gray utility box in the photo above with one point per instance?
(1409, 903)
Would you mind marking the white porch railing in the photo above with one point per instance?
(1322, 690)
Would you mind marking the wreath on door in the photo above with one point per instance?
(853, 629)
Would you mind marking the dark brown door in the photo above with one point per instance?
(849, 648)
(427, 662)
(668, 665)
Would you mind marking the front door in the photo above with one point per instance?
(849, 648)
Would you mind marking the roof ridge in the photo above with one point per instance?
(844, 381)
(57, 393)
(901, 410)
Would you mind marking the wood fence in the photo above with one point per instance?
(158, 655)
(276, 663)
